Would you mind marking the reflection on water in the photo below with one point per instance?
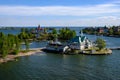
(48, 66)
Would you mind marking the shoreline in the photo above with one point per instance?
(12, 57)
(104, 35)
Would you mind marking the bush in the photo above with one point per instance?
(100, 43)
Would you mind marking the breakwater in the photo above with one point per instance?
(115, 48)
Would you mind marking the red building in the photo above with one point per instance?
(101, 30)
(39, 28)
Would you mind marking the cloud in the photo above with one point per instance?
(109, 18)
(60, 10)
(31, 21)
(87, 15)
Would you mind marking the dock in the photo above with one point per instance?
(115, 48)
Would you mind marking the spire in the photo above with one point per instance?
(39, 26)
(81, 32)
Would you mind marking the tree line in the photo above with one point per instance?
(106, 31)
(11, 44)
(61, 34)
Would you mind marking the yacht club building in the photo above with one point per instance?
(80, 42)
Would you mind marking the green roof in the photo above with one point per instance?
(78, 39)
(82, 38)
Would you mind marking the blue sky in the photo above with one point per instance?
(53, 2)
(59, 12)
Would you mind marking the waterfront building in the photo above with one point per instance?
(80, 42)
(56, 46)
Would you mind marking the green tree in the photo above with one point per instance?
(4, 47)
(54, 34)
(22, 29)
(11, 41)
(110, 31)
(27, 45)
(101, 44)
(23, 35)
(9, 44)
(54, 31)
(45, 30)
(17, 45)
(66, 34)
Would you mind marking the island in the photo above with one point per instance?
(62, 41)
(79, 45)
(109, 31)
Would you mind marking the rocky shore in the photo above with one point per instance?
(95, 52)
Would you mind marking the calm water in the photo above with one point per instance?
(10, 31)
(46, 66)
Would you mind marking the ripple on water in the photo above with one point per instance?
(44, 66)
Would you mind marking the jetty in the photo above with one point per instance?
(115, 48)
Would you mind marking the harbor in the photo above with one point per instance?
(59, 40)
(43, 65)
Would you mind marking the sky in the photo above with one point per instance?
(59, 12)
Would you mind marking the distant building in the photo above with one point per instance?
(117, 29)
(38, 31)
(101, 30)
(106, 29)
(56, 46)
(80, 42)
